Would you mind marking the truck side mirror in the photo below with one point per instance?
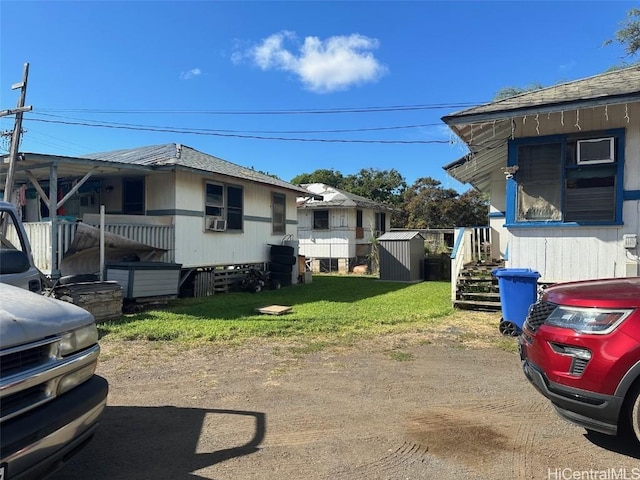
(13, 261)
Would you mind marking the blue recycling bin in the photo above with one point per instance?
(518, 290)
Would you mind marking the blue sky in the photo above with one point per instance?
(347, 73)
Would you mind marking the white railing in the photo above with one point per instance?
(39, 233)
(472, 245)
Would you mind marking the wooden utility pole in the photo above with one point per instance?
(17, 131)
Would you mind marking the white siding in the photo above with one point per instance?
(161, 191)
(562, 254)
(197, 247)
(340, 240)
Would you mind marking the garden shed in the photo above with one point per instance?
(401, 256)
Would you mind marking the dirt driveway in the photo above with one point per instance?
(399, 407)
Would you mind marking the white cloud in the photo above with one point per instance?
(568, 66)
(189, 74)
(323, 66)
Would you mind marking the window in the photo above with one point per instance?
(359, 229)
(278, 213)
(321, 220)
(568, 179)
(133, 196)
(381, 222)
(223, 207)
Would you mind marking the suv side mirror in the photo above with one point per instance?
(13, 261)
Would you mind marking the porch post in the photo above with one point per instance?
(53, 215)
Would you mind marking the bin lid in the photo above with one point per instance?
(515, 272)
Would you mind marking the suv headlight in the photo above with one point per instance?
(587, 320)
(78, 339)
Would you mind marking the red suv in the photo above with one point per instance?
(580, 347)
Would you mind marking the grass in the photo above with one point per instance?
(333, 309)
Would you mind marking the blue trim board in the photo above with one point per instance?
(631, 195)
(497, 214)
(456, 244)
(561, 224)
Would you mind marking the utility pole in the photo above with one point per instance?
(17, 131)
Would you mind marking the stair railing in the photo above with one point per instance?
(472, 245)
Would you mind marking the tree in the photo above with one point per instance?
(427, 205)
(507, 92)
(471, 209)
(384, 186)
(629, 34)
(329, 177)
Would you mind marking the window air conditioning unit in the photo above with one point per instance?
(217, 224)
(596, 150)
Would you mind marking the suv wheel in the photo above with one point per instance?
(634, 412)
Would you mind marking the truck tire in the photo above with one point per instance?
(283, 259)
(282, 250)
(280, 268)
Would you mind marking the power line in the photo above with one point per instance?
(371, 109)
(217, 130)
(231, 135)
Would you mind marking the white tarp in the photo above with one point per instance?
(83, 255)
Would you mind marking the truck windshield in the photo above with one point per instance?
(10, 237)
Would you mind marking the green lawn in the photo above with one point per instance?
(331, 307)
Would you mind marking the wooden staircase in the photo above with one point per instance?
(477, 289)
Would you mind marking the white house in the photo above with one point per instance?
(562, 168)
(206, 212)
(336, 229)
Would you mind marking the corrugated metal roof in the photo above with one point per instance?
(399, 236)
(335, 197)
(177, 155)
(621, 84)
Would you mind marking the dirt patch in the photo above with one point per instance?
(451, 403)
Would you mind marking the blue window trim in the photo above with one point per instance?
(512, 186)
(630, 195)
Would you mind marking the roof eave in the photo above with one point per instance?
(462, 118)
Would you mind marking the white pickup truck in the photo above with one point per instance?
(50, 398)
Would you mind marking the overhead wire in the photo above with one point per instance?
(371, 109)
(230, 135)
(251, 134)
(344, 130)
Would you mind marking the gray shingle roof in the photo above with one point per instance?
(182, 156)
(607, 87)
